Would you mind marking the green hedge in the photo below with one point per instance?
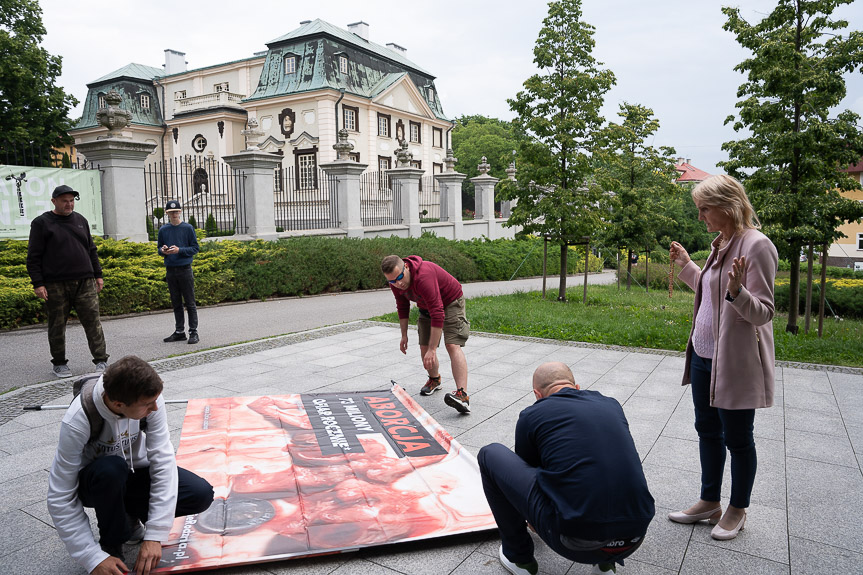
(844, 296)
(237, 271)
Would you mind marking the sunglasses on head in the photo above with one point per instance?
(399, 278)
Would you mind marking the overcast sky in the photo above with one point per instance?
(670, 55)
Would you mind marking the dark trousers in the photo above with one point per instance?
(181, 285)
(514, 498)
(82, 296)
(112, 490)
(719, 429)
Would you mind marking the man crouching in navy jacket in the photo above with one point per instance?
(575, 477)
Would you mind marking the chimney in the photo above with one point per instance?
(360, 28)
(689, 161)
(175, 62)
(679, 161)
(396, 48)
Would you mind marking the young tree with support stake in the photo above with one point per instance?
(791, 162)
(559, 112)
(636, 176)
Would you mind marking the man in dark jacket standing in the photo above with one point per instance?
(442, 313)
(65, 271)
(178, 244)
(575, 477)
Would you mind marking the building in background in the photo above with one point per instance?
(689, 174)
(291, 91)
(848, 251)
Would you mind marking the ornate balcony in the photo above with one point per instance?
(213, 100)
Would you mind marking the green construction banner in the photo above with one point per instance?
(19, 205)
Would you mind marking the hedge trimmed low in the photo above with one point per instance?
(237, 271)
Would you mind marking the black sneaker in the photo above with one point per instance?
(193, 337)
(115, 550)
(459, 399)
(176, 336)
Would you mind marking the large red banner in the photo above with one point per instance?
(311, 474)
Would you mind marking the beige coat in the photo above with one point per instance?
(743, 354)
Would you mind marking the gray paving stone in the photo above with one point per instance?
(820, 402)
(23, 491)
(18, 530)
(825, 503)
(657, 409)
(704, 558)
(855, 434)
(814, 421)
(39, 557)
(820, 447)
(812, 558)
(665, 543)
(621, 393)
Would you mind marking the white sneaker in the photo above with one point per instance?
(531, 568)
(138, 529)
(61, 371)
(101, 367)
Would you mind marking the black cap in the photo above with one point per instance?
(64, 189)
(173, 205)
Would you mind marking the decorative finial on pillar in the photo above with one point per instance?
(112, 117)
(252, 134)
(403, 155)
(510, 171)
(484, 166)
(450, 161)
(342, 146)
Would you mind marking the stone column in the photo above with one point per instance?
(406, 183)
(121, 160)
(258, 197)
(506, 206)
(347, 194)
(450, 201)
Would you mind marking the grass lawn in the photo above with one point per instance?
(639, 319)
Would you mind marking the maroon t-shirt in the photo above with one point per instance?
(432, 287)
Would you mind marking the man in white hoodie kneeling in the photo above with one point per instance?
(126, 471)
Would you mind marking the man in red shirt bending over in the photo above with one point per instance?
(441, 304)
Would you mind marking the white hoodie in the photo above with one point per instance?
(149, 452)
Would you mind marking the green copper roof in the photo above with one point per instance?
(136, 71)
(318, 27)
(318, 46)
(130, 91)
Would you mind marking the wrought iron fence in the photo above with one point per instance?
(429, 200)
(305, 203)
(210, 191)
(380, 202)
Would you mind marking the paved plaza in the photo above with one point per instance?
(807, 505)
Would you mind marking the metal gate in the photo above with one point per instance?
(210, 191)
(306, 201)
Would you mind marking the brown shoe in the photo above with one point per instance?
(431, 386)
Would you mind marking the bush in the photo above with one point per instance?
(193, 222)
(231, 270)
(210, 226)
(845, 296)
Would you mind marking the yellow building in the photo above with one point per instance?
(848, 251)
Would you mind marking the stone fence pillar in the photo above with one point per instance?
(406, 183)
(483, 186)
(124, 211)
(258, 198)
(347, 194)
(450, 201)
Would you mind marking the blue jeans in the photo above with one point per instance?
(181, 285)
(719, 429)
(108, 486)
(514, 498)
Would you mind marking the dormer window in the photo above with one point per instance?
(102, 102)
(180, 95)
(290, 64)
(343, 64)
(221, 87)
(431, 95)
(145, 102)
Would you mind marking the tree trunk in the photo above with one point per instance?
(647, 272)
(808, 289)
(822, 296)
(794, 295)
(561, 292)
(628, 269)
(586, 262)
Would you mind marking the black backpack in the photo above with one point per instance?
(83, 386)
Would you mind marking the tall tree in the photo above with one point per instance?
(33, 109)
(559, 111)
(792, 157)
(636, 177)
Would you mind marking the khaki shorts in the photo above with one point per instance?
(456, 327)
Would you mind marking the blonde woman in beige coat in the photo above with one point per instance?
(729, 355)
